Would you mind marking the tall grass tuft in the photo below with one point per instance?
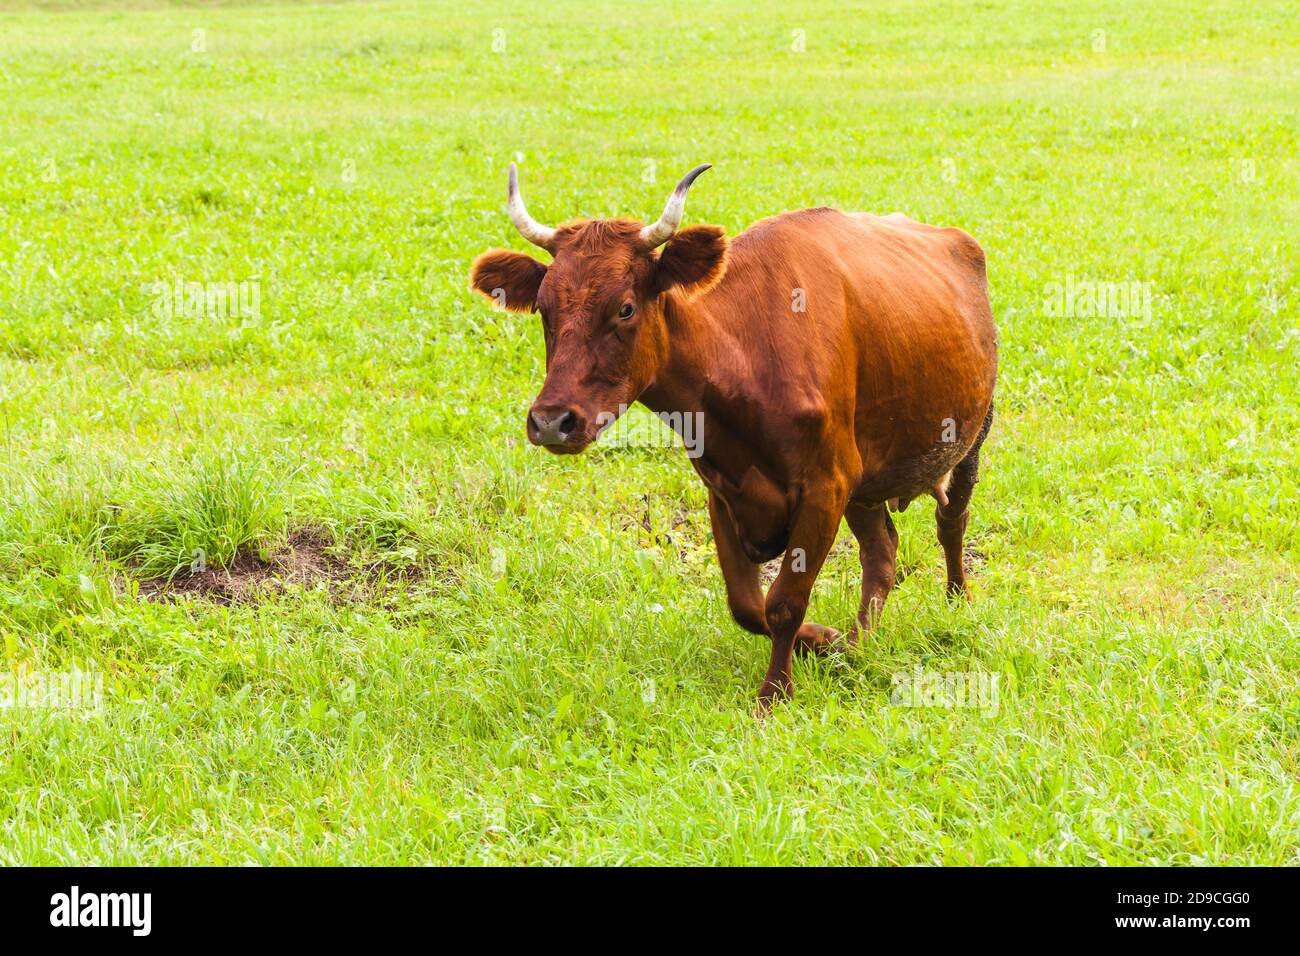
(202, 515)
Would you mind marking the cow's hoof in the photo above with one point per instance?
(819, 639)
(770, 694)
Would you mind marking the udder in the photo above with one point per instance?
(902, 481)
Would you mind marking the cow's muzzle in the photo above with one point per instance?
(557, 428)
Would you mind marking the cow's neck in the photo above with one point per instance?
(687, 379)
(708, 373)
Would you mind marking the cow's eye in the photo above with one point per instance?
(627, 311)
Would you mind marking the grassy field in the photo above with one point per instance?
(439, 644)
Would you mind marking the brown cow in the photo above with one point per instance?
(841, 363)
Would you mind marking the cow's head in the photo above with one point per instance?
(601, 300)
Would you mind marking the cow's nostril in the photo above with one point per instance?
(567, 424)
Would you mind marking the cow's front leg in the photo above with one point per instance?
(745, 590)
(877, 551)
(815, 526)
(739, 574)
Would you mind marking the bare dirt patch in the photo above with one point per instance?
(305, 563)
(769, 571)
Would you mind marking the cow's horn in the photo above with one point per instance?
(661, 231)
(528, 227)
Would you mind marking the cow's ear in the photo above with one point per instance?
(693, 260)
(509, 279)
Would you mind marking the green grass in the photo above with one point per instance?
(557, 680)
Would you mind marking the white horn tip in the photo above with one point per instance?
(661, 231)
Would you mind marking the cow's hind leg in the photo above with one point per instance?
(877, 549)
(953, 516)
(745, 592)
